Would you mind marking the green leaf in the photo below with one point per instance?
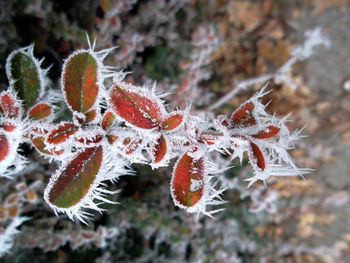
(23, 71)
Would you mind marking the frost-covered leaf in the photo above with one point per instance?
(79, 81)
(256, 156)
(4, 147)
(132, 145)
(8, 125)
(40, 144)
(159, 149)
(268, 132)
(71, 184)
(107, 120)
(61, 133)
(89, 138)
(111, 138)
(135, 107)
(39, 111)
(25, 75)
(9, 105)
(187, 181)
(243, 116)
(90, 116)
(172, 122)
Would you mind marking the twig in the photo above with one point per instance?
(239, 87)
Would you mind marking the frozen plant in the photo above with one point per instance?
(116, 124)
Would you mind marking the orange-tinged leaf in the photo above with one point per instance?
(4, 147)
(111, 138)
(187, 182)
(243, 116)
(135, 108)
(267, 133)
(12, 199)
(61, 133)
(13, 211)
(159, 149)
(76, 178)
(39, 111)
(31, 195)
(107, 120)
(79, 81)
(172, 122)
(2, 213)
(9, 105)
(256, 156)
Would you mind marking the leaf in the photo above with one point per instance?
(39, 111)
(111, 138)
(9, 105)
(73, 182)
(187, 181)
(4, 147)
(89, 138)
(159, 149)
(61, 133)
(256, 156)
(8, 126)
(132, 145)
(40, 144)
(172, 122)
(24, 73)
(135, 108)
(267, 132)
(90, 116)
(79, 81)
(243, 116)
(107, 120)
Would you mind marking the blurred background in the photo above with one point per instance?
(200, 51)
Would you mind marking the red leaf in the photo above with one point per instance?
(79, 81)
(186, 172)
(8, 126)
(107, 120)
(75, 179)
(135, 108)
(40, 145)
(39, 111)
(256, 157)
(9, 105)
(243, 116)
(132, 145)
(4, 147)
(159, 149)
(61, 133)
(172, 122)
(267, 133)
